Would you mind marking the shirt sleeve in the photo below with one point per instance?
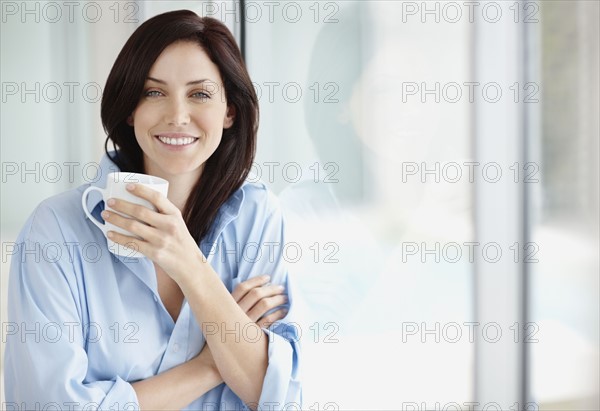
(45, 360)
(282, 388)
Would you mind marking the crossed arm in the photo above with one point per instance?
(179, 386)
(241, 364)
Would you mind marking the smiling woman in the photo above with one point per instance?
(178, 48)
(190, 325)
(179, 123)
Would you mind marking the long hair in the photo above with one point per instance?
(227, 168)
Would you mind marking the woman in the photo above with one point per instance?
(195, 323)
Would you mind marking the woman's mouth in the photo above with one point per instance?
(177, 141)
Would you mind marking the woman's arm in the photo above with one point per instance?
(179, 386)
(239, 346)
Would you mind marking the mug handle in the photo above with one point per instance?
(84, 205)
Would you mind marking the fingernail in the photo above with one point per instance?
(130, 187)
(111, 202)
(266, 277)
(280, 287)
(109, 234)
(105, 214)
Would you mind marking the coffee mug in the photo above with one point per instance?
(116, 187)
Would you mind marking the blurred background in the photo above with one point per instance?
(438, 167)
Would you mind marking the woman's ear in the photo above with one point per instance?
(229, 117)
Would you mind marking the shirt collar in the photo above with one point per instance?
(228, 211)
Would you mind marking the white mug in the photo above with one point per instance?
(116, 184)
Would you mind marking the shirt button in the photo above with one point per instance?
(175, 347)
(155, 299)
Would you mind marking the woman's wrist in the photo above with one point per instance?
(192, 276)
(207, 365)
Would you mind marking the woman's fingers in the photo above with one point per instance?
(135, 227)
(139, 212)
(142, 213)
(244, 287)
(266, 321)
(256, 297)
(162, 204)
(257, 294)
(129, 242)
(264, 305)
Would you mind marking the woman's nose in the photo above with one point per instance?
(177, 113)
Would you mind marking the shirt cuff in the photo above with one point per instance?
(281, 386)
(120, 395)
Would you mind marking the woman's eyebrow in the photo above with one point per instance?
(188, 84)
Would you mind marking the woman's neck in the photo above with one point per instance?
(180, 185)
(180, 188)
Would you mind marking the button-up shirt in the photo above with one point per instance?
(83, 323)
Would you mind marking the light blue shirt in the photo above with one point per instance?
(84, 324)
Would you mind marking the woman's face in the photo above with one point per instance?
(181, 115)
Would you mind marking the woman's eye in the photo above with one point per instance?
(153, 93)
(201, 95)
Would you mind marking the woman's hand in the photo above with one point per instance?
(256, 296)
(165, 237)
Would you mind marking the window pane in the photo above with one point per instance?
(356, 136)
(564, 209)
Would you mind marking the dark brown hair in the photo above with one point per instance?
(227, 168)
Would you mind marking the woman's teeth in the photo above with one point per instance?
(177, 141)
